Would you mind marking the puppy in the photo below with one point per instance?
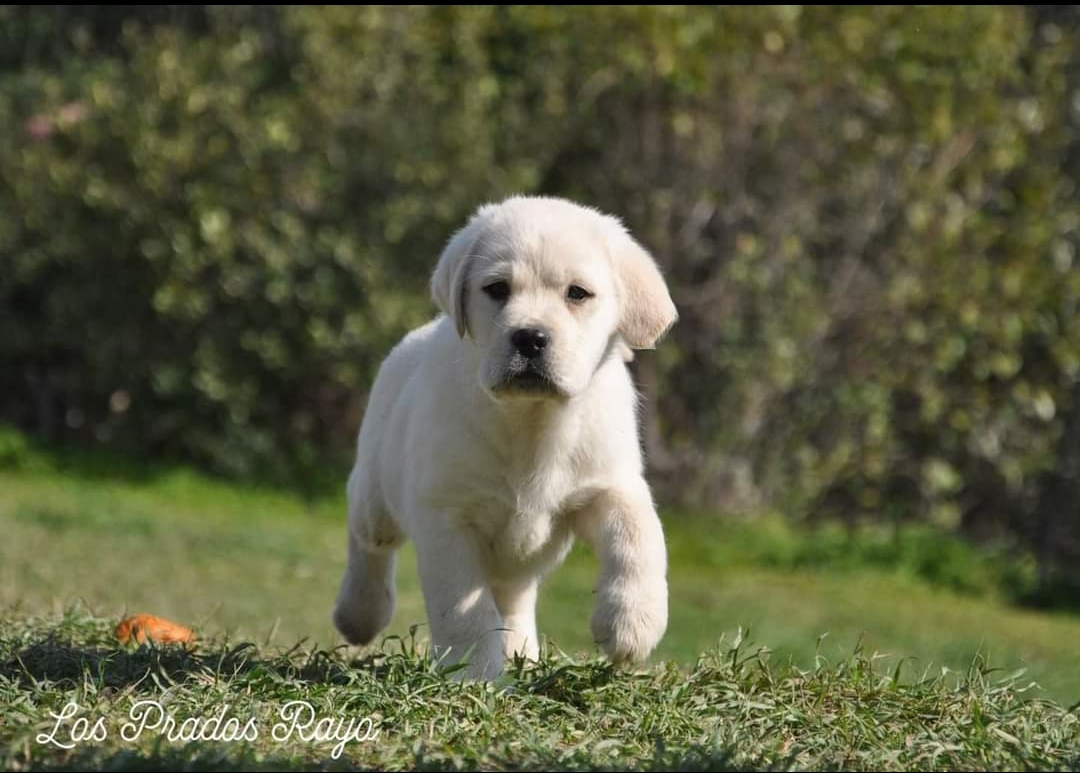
(500, 431)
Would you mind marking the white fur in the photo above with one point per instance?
(492, 482)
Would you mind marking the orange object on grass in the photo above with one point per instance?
(145, 627)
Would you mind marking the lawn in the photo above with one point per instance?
(310, 709)
(245, 565)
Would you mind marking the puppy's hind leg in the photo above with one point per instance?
(365, 602)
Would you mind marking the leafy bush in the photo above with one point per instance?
(218, 220)
(14, 448)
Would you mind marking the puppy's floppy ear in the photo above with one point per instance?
(646, 310)
(451, 272)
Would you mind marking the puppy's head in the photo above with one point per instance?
(547, 289)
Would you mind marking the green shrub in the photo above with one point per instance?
(217, 221)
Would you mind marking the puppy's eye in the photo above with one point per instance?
(497, 291)
(578, 293)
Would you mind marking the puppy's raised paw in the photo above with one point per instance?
(628, 623)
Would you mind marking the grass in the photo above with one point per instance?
(254, 571)
(393, 709)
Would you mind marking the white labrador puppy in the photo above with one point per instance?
(500, 430)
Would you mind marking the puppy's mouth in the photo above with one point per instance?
(527, 377)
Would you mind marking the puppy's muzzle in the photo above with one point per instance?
(527, 370)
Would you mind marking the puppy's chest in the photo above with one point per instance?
(521, 519)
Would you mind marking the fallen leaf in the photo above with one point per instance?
(143, 627)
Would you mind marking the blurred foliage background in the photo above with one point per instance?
(215, 221)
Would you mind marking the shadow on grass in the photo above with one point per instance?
(55, 658)
(1060, 594)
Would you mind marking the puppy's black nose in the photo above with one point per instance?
(530, 341)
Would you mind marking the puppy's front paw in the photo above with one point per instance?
(359, 617)
(630, 619)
